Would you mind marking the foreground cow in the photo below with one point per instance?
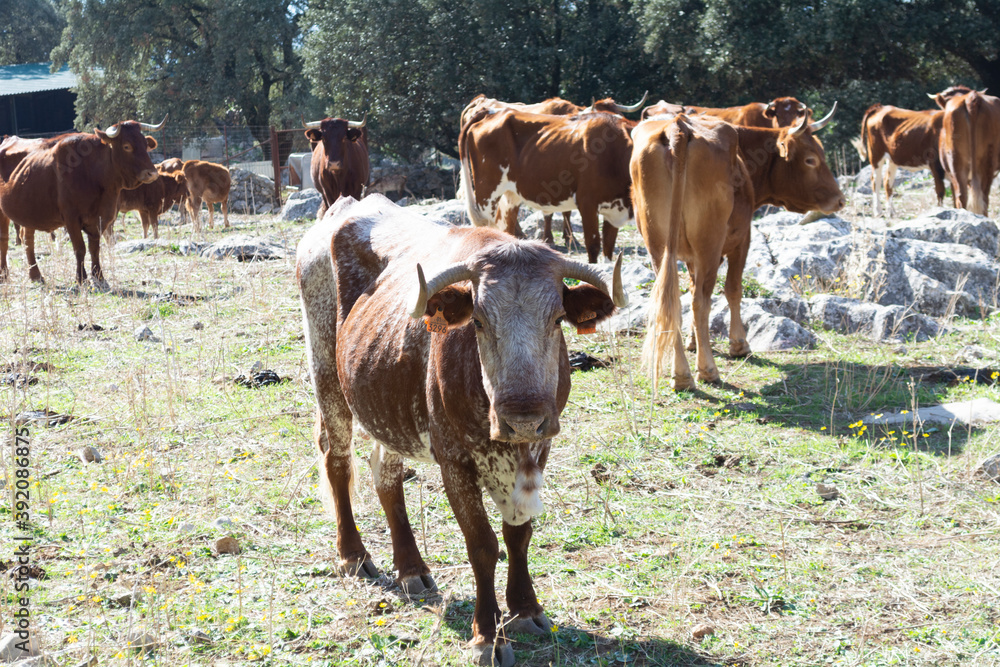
(969, 146)
(340, 166)
(152, 199)
(551, 163)
(481, 399)
(696, 183)
(555, 106)
(207, 182)
(780, 112)
(73, 180)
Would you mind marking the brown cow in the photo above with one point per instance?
(152, 199)
(340, 165)
(555, 106)
(74, 181)
(780, 112)
(481, 398)
(208, 182)
(969, 146)
(551, 163)
(697, 182)
(12, 151)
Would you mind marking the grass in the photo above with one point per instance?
(662, 513)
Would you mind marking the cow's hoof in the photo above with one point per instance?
(710, 375)
(682, 382)
(363, 569)
(99, 285)
(418, 584)
(739, 348)
(529, 625)
(36, 277)
(493, 655)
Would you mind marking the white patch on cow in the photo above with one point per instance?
(526, 496)
(559, 207)
(616, 212)
(505, 190)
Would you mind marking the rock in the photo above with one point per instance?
(250, 193)
(881, 323)
(977, 411)
(971, 353)
(12, 647)
(125, 599)
(245, 249)
(140, 641)
(197, 326)
(766, 330)
(941, 225)
(186, 527)
(183, 247)
(863, 179)
(637, 280)
(43, 417)
(88, 662)
(301, 205)
(827, 491)
(451, 211)
(198, 636)
(990, 468)
(144, 333)
(90, 454)
(39, 661)
(227, 545)
(701, 631)
(222, 522)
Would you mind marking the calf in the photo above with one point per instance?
(208, 182)
(152, 199)
(481, 396)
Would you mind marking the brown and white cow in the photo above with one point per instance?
(152, 199)
(340, 165)
(696, 182)
(555, 106)
(969, 146)
(551, 163)
(208, 182)
(780, 112)
(73, 180)
(481, 397)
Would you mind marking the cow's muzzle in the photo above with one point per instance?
(148, 175)
(524, 427)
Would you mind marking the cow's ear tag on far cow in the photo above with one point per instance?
(436, 323)
(587, 325)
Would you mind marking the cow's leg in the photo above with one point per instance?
(211, 214)
(225, 211)
(738, 346)
(568, 237)
(507, 213)
(591, 235)
(547, 230)
(466, 500)
(154, 222)
(876, 184)
(701, 306)
(414, 577)
(890, 181)
(4, 243)
(96, 273)
(79, 251)
(526, 615)
(610, 235)
(194, 212)
(28, 238)
(937, 171)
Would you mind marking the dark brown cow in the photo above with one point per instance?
(170, 166)
(551, 163)
(12, 151)
(780, 112)
(969, 146)
(208, 182)
(555, 106)
(340, 164)
(697, 182)
(152, 199)
(74, 181)
(482, 398)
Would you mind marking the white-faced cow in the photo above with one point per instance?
(696, 182)
(340, 165)
(481, 397)
(551, 163)
(73, 180)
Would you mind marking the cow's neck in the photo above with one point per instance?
(759, 150)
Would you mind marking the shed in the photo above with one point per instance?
(35, 101)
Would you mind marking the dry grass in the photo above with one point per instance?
(661, 513)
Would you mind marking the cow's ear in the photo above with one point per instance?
(941, 100)
(102, 136)
(150, 143)
(353, 134)
(769, 112)
(455, 303)
(586, 304)
(314, 135)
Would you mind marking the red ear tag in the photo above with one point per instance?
(437, 323)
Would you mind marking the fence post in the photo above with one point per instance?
(276, 164)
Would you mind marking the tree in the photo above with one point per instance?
(29, 30)
(196, 59)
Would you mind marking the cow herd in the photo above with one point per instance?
(445, 343)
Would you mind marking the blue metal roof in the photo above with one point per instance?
(34, 78)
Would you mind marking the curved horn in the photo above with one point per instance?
(453, 274)
(589, 274)
(933, 96)
(770, 106)
(358, 124)
(113, 131)
(983, 91)
(821, 123)
(312, 125)
(802, 106)
(633, 108)
(153, 128)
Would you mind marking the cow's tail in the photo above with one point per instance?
(861, 143)
(527, 484)
(664, 320)
(467, 183)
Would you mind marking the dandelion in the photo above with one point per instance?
(822, 428)
(380, 621)
(555, 628)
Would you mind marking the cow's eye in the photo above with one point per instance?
(559, 321)
(479, 325)
(128, 148)
(812, 161)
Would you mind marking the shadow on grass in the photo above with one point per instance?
(832, 398)
(573, 646)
